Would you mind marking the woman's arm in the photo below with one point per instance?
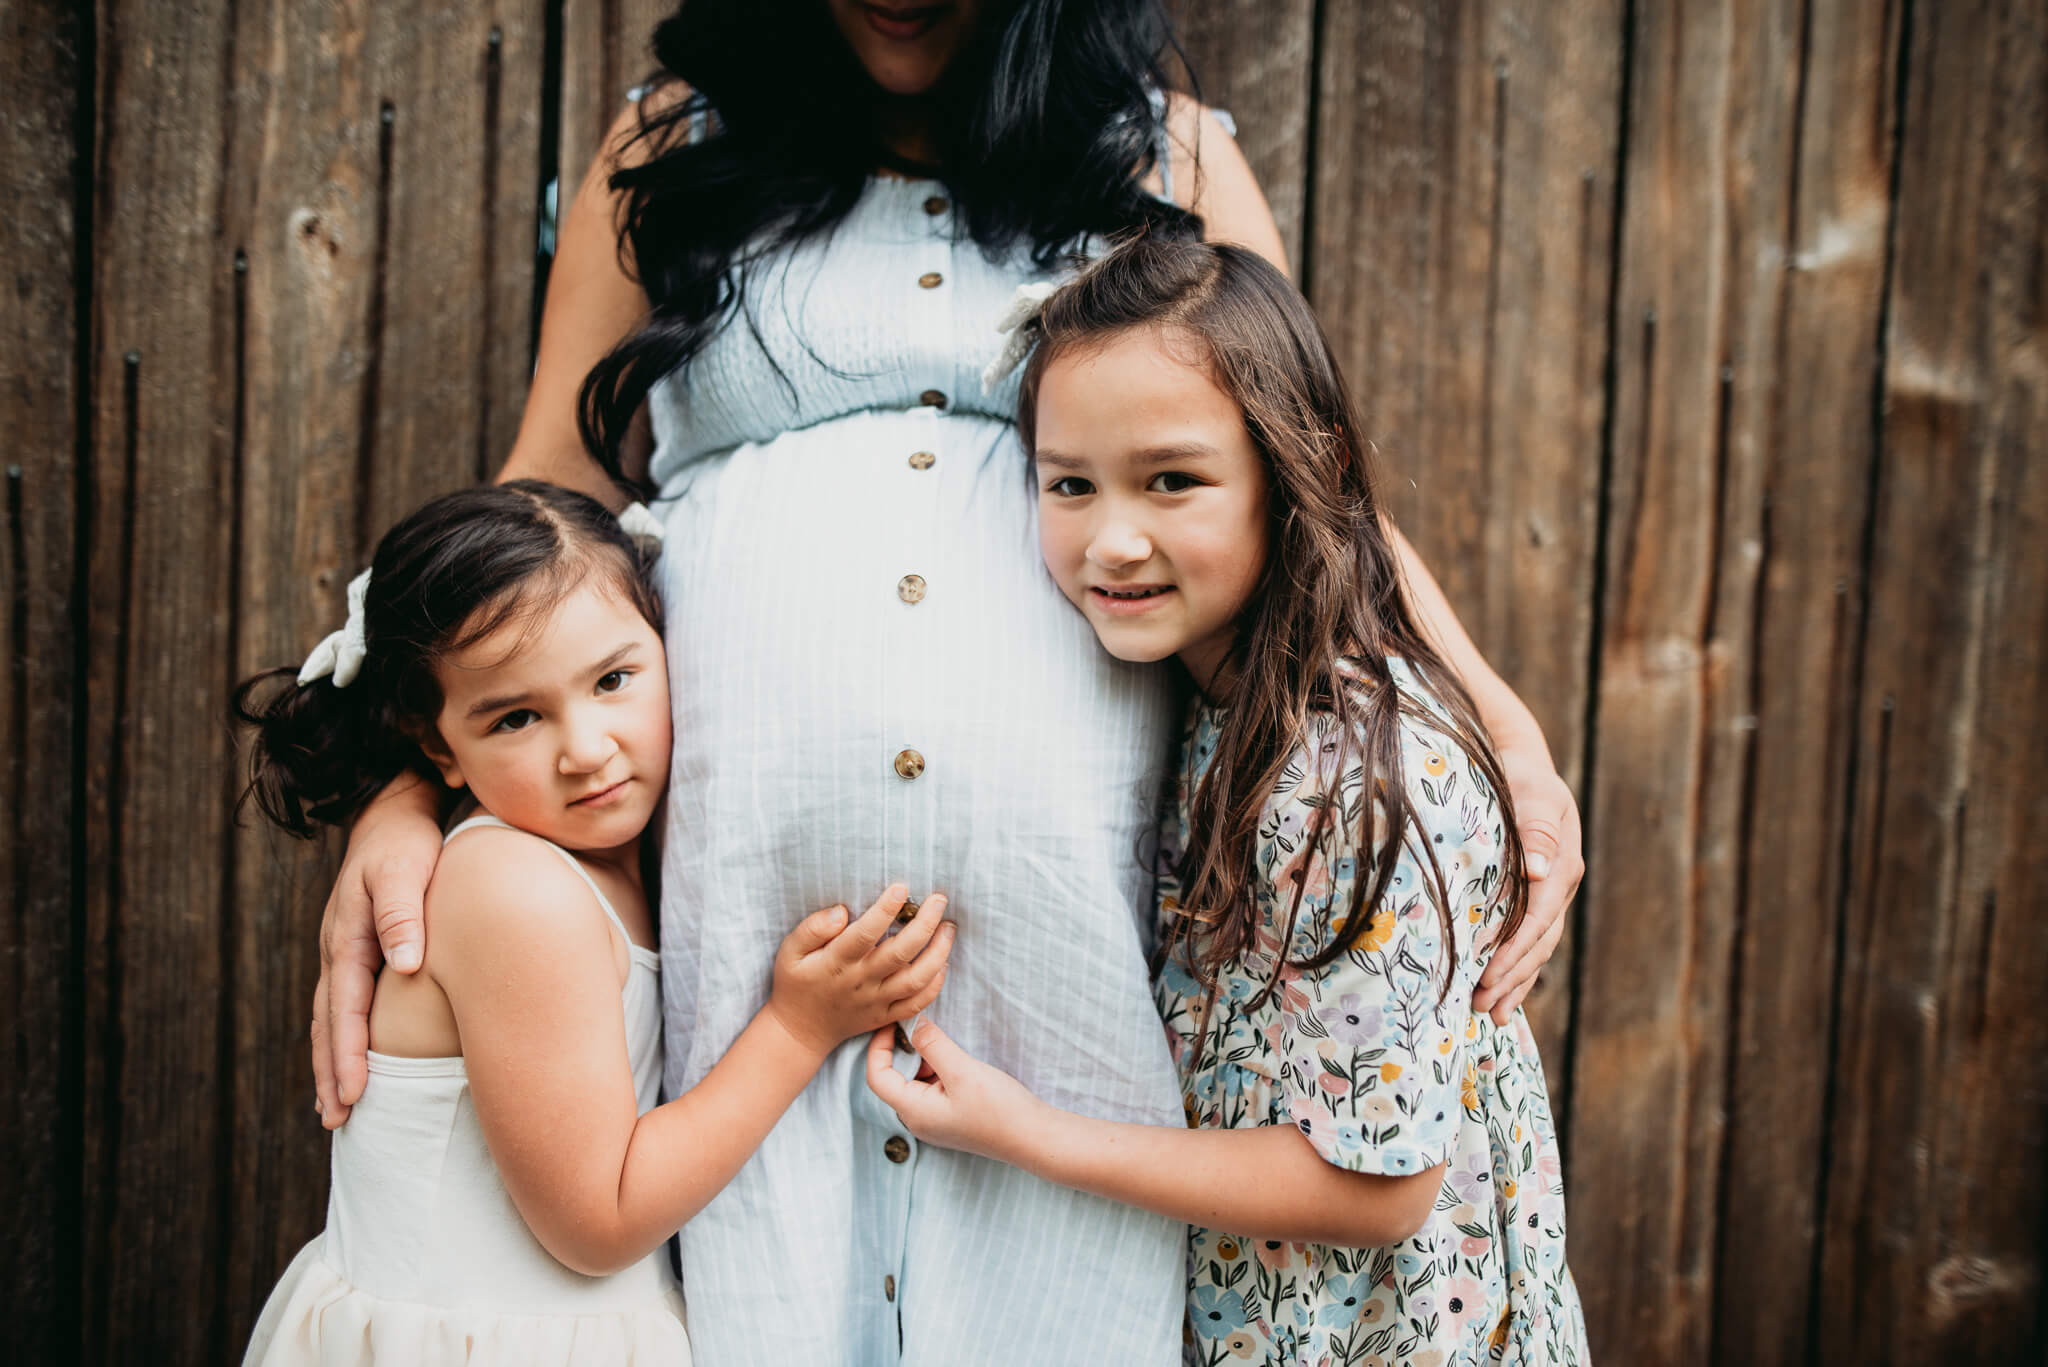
(592, 304)
(536, 998)
(376, 898)
(1266, 1182)
(1545, 812)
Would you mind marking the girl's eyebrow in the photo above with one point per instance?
(1151, 455)
(493, 704)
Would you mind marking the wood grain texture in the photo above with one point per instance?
(606, 51)
(385, 227)
(1255, 59)
(41, 68)
(1459, 257)
(160, 524)
(1804, 416)
(1934, 1208)
(1713, 122)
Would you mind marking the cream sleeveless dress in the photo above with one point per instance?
(425, 1259)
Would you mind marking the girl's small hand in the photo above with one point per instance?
(968, 1104)
(832, 983)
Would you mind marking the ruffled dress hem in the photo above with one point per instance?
(316, 1318)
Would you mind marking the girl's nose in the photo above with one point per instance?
(1118, 544)
(585, 748)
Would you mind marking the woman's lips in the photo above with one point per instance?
(903, 23)
(1143, 598)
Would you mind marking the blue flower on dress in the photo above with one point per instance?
(1408, 1264)
(1342, 1298)
(1400, 1159)
(1215, 1311)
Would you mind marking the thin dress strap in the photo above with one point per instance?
(604, 903)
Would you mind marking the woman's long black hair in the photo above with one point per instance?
(1043, 122)
(446, 577)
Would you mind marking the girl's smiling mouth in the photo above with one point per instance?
(1129, 598)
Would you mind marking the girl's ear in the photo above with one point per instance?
(440, 756)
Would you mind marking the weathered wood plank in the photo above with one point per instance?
(1934, 1208)
(1254, 59)
(48, 112)
(160, 523)
(1815, 377)
(382, 202)
(1459, 256)
(1711, 164)
(606, 51)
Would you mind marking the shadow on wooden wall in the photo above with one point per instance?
(1704, 349)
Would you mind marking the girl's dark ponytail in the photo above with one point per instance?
(447, 576)
(318, 753)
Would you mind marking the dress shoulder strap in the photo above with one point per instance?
(604, 903)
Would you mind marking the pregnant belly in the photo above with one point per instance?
(874, 679)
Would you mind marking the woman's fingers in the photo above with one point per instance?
(326, 1099)
(1504, 997)
(397, 889)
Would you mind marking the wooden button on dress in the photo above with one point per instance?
(910, 588)
(935, 206)
(897, 1148)
(909, 764)
(933, 398)
(889, 1287)
(921, 460)
(930, 280)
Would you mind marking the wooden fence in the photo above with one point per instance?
(1708, 344)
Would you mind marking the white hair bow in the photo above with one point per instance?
(1015, 329)
(643, 526)
(341, 654)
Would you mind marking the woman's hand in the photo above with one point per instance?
(832, 983)
(1548, 818)
(967, 1104)
(372, 918)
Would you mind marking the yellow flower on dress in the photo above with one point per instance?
(1433, 764)
(1227, 1250)
(1468, 1090)
(1379, 932)
(1389, 1071)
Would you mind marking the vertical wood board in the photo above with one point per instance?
(1934, 1214)
(40, 67)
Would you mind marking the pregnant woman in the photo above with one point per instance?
(787, 270)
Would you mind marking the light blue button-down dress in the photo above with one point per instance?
(803, 667)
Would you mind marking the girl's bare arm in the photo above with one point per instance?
(1266, 1182)
(535, 994)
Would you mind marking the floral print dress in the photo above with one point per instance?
(1360, 1057)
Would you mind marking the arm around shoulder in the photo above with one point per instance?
(1211, 178)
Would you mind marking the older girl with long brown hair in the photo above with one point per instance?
(1371, 1171)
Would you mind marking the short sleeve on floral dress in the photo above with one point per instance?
(1384, 1070)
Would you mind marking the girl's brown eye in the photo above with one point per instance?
(516, 721)
(612, 682)
(1069, 487)
(1174, 482)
